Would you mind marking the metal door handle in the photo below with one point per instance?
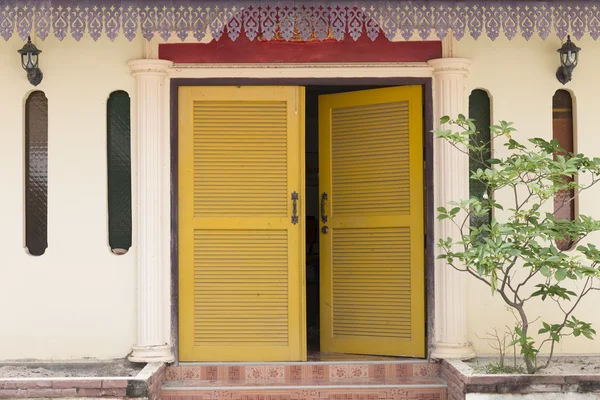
(295, 208)
(323, 200)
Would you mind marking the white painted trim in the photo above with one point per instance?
(288, 71)
(449, 46)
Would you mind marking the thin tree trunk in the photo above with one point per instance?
(524, 328)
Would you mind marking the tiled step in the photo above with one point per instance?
(228, 372)
(305, 381)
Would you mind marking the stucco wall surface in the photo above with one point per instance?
(520, 77)
(78, 299)
(534, 396)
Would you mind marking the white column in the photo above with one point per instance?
(152, 207)
(451, 182)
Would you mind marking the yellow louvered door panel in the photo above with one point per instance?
(241, 253)
(372, 255)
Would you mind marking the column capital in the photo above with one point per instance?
(450, 65)
(150, 67)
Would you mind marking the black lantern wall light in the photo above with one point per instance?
(29, 60)
(569, 56)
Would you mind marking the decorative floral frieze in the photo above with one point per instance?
(308, 20)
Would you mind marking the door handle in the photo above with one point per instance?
(323, 200)
(295, 208)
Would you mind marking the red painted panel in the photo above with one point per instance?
(245, 51)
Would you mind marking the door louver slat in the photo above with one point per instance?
(377, 129)
(215, 196)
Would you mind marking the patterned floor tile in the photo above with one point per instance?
(320, 370)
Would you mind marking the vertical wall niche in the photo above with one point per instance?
(118, 116)
(36, 173)
(562, 131)
(479, 110)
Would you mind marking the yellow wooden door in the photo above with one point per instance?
(241, 224)
(372, 249)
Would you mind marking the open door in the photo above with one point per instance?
(372, 222)
(241, 224)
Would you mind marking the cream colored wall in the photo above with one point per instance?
(520, 78)
(78, 299)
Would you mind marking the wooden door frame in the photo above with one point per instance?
(426, 83)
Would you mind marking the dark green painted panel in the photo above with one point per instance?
(479, 110)
(119, 171)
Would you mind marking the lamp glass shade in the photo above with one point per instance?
(572, 57)
(568, 58)
(29, 55)
(29, 61)
(569, 54)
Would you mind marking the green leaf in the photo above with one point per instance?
(546, 271)
(546, 325)
(519, 331)
(560, 274)
(444, 120)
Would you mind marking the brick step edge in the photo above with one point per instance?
(146, 384)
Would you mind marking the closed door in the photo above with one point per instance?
(241, 253)
(372, 243)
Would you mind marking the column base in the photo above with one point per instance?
(455, 351)
(147, 354)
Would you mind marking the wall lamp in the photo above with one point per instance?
(29, 60)
(569, 56)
